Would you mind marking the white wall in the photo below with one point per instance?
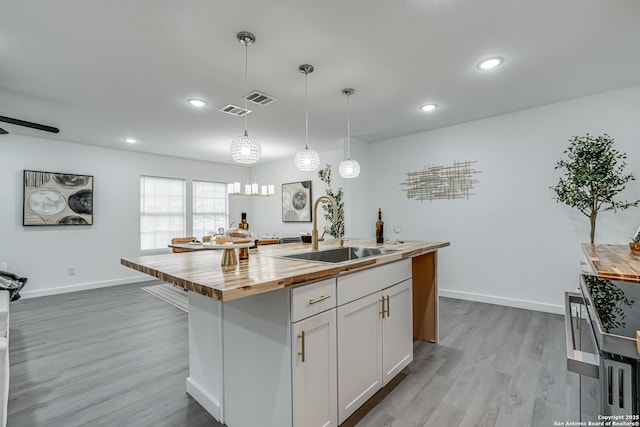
(265, 216)
(511, 243)
(43, 254)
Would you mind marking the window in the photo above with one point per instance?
(209, 207)
(162, 211)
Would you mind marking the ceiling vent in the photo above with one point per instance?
(234, 110)
(260, 98)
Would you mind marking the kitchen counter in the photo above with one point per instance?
(200, 272)
(268, 336)
(614, 262)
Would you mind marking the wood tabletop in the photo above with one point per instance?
(613, 262)
(208, 246)
(264, 271)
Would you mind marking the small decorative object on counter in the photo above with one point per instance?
(243, 253)
(244, 225)
(379, 228)
(239, 235)
(634, 245)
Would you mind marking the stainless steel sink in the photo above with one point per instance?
(334, 256)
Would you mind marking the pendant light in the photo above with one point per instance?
(307, 160)
(244, 148)
(234, 188)
(349, 168)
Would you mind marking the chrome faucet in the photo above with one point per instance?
(314, 232)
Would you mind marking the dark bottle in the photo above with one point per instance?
(243, 253)
(244, 225)
(379, 228)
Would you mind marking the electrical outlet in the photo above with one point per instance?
(71, 271)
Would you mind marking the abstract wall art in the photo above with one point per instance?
(57, 199)
(441, 182)
(296, 202)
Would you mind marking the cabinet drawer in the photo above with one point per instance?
(315, 298)
(356, 285)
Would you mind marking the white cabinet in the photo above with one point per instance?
(397, 331)
(245, 355)
(375, 333)
(359, 358)
(315, 371)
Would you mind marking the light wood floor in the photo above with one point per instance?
(118, 357)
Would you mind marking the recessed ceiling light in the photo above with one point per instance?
(198, 103)
(491, 63)
(130, 140)
(428, 107)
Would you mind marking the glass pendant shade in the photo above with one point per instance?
(245, 149)
(307, 160)
(349, 168)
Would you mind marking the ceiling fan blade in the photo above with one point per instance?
(3, 132)
(29, 124)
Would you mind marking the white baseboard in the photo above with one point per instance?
(509, 302)
(83, 287)
(469, 296)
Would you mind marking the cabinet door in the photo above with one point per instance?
(397, 330)
(315, 377)
(360, 356)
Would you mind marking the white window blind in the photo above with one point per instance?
(162, 211)
(209, 207)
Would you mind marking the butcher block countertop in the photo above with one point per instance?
(613, 262)
(264, 271)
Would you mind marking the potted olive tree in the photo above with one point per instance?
(593, 174)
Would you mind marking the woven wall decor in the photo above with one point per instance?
(441, 182)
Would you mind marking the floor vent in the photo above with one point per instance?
(234, 110)
(260, 98)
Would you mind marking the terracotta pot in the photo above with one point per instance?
(635, 247)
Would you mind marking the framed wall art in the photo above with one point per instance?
(296, 202)
(52, 198)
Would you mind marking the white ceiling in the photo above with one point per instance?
(102, 70)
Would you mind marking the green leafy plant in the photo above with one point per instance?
(337, 227)
(593, 175)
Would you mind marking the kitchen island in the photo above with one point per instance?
(614, 262)
(282, 342)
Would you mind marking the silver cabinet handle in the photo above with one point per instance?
(578, 361)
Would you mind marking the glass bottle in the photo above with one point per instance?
(244, 225)
(379, 228)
